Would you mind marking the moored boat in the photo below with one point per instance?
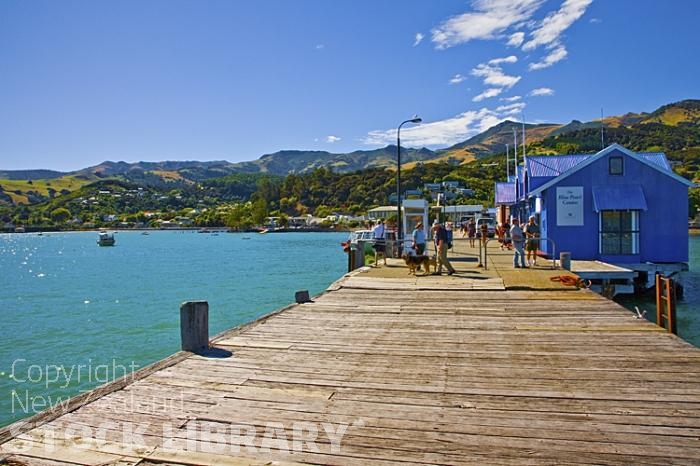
(105, 239)
(367, 236)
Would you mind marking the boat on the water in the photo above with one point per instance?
(367, 236)
(105, 239)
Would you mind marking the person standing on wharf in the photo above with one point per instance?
(518, 238)
(441, 246)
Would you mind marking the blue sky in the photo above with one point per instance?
(84, 81)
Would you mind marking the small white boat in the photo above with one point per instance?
(363, 235)
(105, 239)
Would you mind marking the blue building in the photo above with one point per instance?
(616, 206)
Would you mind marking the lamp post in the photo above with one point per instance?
(443, 204)
(399, 238)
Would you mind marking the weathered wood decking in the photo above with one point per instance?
(386, 371)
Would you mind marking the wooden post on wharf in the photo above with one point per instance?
(351, 257)
(666, 303)
(194, 326)
(358, 256)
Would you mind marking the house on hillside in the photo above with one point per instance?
(616, 206)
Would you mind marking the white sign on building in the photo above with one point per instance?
(570, 206)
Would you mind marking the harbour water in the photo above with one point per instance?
(75, 315)
(688, 306)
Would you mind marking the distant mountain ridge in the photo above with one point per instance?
(279, 163)
(30, 174)
(492, 141)
(495, 139)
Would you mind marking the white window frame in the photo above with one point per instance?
(633, 231)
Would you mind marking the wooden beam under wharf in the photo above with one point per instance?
(482, 367)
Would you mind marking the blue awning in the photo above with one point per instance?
(505, 193)
(619, 198)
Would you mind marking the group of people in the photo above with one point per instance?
(503, 235)
(524, 240)
(442, 236)
(469, 228)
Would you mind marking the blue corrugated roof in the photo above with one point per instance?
(555, 165)
(552, 165)
(656, 158)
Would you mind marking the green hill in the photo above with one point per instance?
(673, 129)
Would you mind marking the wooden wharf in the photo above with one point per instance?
(499, 366)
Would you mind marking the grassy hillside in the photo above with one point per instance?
(33, 191)
(686, 112)
(673, 129)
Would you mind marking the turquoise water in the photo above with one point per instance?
(75, 314)
(65, 302)
(687, 307)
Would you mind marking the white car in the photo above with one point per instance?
(490, 223)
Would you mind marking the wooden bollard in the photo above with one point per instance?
(565, 260)
(194, 326)
(302, 297)
(360, 254)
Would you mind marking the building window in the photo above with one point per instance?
(615, 166)
(619, 232)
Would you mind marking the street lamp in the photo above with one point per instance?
(399, 237)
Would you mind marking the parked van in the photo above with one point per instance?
(490, 223)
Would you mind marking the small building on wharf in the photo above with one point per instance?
(616, 206)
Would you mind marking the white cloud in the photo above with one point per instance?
(554, 24)
(512, 109)
(332, 139)
(419, 38)
(494, 76)
(456, 79)
(556, 55)
(516, 39)
(490, 18)
(447, 132)
(498, 61)
(541, 91)
(513, 23)
(320, 46)
(488, 93)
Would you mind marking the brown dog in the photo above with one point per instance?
(413, 262)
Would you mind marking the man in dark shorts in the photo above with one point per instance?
(532, 233)
(379, 242)
(440, 236)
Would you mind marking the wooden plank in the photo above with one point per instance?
(422, 371)
(72, 453)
